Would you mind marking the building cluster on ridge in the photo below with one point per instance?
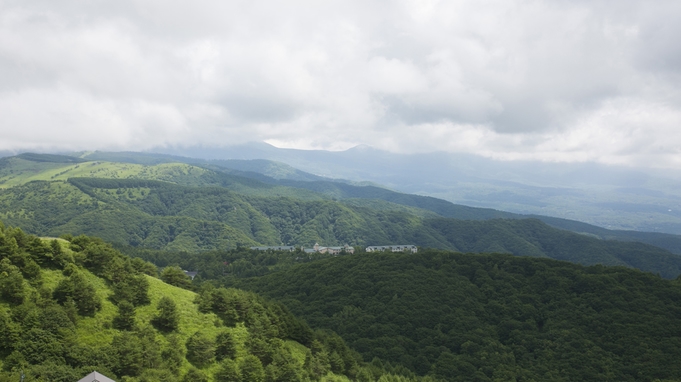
(392, 248)
(337, 250)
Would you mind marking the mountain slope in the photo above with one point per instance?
(260, 170)
(531, 237)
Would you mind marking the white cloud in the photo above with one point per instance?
(547, 80)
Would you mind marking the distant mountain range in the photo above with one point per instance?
(205, 204)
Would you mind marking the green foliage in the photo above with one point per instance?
(168, 318)
(153, 375)
(227, 372)
(127, 281)
(251, 370)
(173, 355)
(282, 367)
(14, 362)
(264, 319)
(11, 282)
(128, 354)
(531, 237)
(196, 375)
(77, 289)
(55, 319)
(225, 346)
(100, 258)
(200, 350)
(132, 287)
(38, 345)
(144, 267)
(9, 333)
(125, 319)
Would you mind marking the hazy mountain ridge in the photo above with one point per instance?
(577, 191)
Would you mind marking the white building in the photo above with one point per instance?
(330, 250)
(392, 248)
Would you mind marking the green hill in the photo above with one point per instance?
(70, 307)
(465, 317)
(26, 168)
(272, 169)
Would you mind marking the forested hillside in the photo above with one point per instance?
(279, 174)
(70, 307)
(467, 317)
(162, 215)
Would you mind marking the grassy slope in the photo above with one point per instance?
(97, 332)
(276, 170)
(17, 171)
(20, 171)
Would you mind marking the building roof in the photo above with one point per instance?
(191, 274)
(96, 377)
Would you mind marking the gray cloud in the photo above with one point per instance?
(547, 80)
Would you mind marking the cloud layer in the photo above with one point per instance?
(547, 80)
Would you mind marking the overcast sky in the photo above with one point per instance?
(548, 80)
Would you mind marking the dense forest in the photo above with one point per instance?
(490, 317)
